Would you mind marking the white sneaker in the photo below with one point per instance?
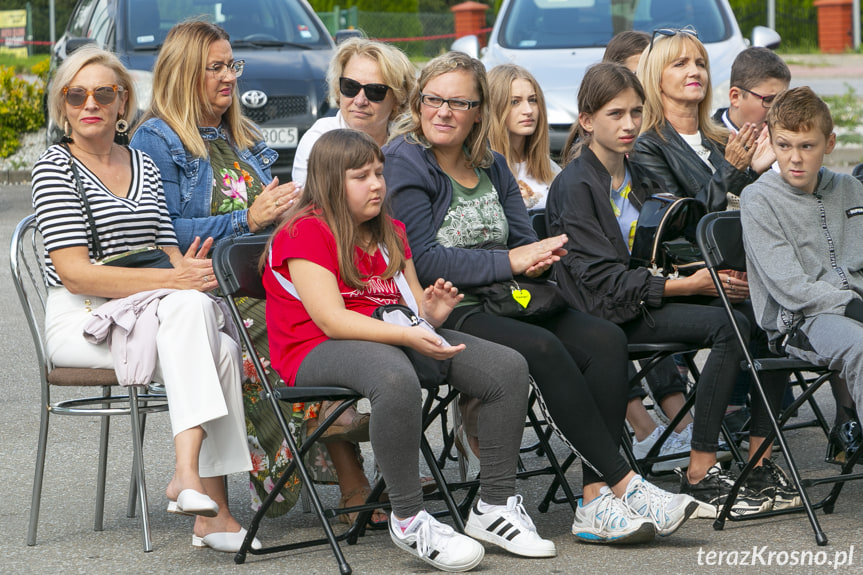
(671, 446)
(666, 510)
(608, 519)
(509, 527)
(437, 544)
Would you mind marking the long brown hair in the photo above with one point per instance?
(537, 151)
(323, 197)
(601, 84)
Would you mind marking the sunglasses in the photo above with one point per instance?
(374, 92)
(668, 32)
(766, 101)
(104, 95)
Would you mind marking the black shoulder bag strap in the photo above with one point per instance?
(97, 246)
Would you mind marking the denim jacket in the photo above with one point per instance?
(188, 181)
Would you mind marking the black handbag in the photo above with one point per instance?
(521, 297)
(664, 239)
(147, 257)
(430, 371)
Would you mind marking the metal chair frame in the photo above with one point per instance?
(28, 272)
(720, 238)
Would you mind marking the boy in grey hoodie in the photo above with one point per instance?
(803, 232)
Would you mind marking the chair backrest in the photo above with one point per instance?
(537, 221)
(235, 263)
(720, 238)
(27, 261)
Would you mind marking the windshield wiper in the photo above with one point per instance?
(269, 44)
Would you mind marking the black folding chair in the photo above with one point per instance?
(235, 263)
(720, 237)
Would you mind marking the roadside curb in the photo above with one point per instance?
(14, 176)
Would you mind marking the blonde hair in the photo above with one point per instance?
(396, 69)
(88, 56)
(324, 197)
(477, 151)
(666, 49)
(178, 88)
(537, 150)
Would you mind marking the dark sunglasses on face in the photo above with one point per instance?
(766, 101)
(668, 32)
(104, 95)
(374, 92)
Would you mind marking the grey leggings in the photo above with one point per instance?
(492, 373)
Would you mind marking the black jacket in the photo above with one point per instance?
(594, 275)
(684, 174)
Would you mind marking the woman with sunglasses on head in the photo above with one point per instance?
(95, 199)
(456, 198)
(679, 142)
(370, 83)
(216, 174)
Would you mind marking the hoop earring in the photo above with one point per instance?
(122, 126)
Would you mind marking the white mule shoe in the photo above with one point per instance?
(191, 502)
(225, 542)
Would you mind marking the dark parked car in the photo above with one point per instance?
(286, 48)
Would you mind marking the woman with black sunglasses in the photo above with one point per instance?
(370, 83)
(216, 174)
(95, 199)
(679, 142)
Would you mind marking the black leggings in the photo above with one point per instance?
(579, 363)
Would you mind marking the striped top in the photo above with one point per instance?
(139, 220)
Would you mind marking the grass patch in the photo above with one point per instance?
(846, 110)
(22, 65)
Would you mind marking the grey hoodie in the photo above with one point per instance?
(804, 251)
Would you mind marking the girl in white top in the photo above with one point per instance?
(519, 131)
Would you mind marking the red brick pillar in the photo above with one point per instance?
(470, 19)
(834, 25)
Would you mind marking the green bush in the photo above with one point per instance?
(20, 109)
(846, 110)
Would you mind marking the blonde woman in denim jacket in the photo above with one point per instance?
(216, 175)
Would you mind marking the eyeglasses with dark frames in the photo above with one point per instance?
(455, 104)
(220, 69)
(104, 95)
(349, 88)
(669, 32)
(766, 101)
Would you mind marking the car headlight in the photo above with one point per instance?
(143, 81)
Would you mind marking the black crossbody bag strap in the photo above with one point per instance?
(97, 246)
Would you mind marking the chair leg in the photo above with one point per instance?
(38, 475)
(138, 465)
(103, 466)
(131, 506)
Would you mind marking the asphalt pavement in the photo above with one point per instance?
(66, 541)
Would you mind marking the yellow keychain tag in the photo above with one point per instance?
(522, 296)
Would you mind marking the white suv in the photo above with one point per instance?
(558, 39)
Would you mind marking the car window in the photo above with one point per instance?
(78, 22)
(260, 21)
(101, 24)
(550, 24)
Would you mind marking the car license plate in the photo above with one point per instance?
(280, 137)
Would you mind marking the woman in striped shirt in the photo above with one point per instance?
(92, 97)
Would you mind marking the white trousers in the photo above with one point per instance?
(199, 365)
